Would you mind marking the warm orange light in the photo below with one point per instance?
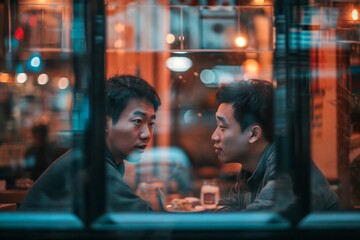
(259, 1)
(63, 83)
(240, 41)
(4, 77)
(355, 14)
(170, 38)
(118, 43)
(251, 67)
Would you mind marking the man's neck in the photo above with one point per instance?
(118, 158)
(252, 162)
(119, 161)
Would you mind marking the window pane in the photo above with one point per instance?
(334, 114)
(38, 113)
(186, 53)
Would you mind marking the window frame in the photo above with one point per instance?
(92, 218)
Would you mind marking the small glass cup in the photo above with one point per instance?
(153, 193)
(210, 194)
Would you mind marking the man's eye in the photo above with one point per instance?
(152, 124)
(137, 121)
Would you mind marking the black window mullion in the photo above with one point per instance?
(89, 66)
(95, 148)
(292, 103)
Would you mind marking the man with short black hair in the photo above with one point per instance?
(244, 135)
(131, 105)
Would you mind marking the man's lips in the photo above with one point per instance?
(141, 147)
(217, 149)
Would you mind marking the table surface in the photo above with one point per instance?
(12, 195)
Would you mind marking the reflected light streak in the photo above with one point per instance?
(21, 77)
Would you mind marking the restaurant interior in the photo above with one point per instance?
(55, 57)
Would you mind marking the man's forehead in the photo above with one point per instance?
(224, 112)
(140, 107)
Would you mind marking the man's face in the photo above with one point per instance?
(133, 131)
(231, 145)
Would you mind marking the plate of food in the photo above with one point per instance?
(185, 205)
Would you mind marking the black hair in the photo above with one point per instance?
(120, 89)
(252, 101)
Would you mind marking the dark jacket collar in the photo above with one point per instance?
(110, 159)
(254, 179)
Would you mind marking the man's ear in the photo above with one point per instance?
(255, 132)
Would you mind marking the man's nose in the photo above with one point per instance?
(215, 136)
(145, 132)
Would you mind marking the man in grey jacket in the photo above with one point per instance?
(131, 105)
(244, 135)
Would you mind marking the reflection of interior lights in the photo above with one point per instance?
(188, 116)
(207, 76)
(119, 27)
(179, 64)
(4, 77)
(118, 43)
(355, 14)
(63, 83)
(240, 41)
(43, 79)
(35, 62)
(170, 38)
(19, 33)
(259, 1)
(21, 77)
(251, 67)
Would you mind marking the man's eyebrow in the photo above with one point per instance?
(221, 119)
(143, 114)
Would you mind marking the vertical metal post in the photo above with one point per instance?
(88, 36)
(292, 103)
(95, 184)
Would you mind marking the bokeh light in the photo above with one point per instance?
(43, 79)
(251, 67)
(179, 64)
(63, 83)
(170, 38)
(21, 77)
(240, 41)
(207, 76)
(19, 33)
(355, 14)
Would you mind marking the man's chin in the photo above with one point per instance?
(223, 160)
(135, 156)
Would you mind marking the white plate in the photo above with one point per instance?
(198, 208)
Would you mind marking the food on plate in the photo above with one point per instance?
(185, 204)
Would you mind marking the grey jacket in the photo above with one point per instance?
(263, 191)
(55, 191)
